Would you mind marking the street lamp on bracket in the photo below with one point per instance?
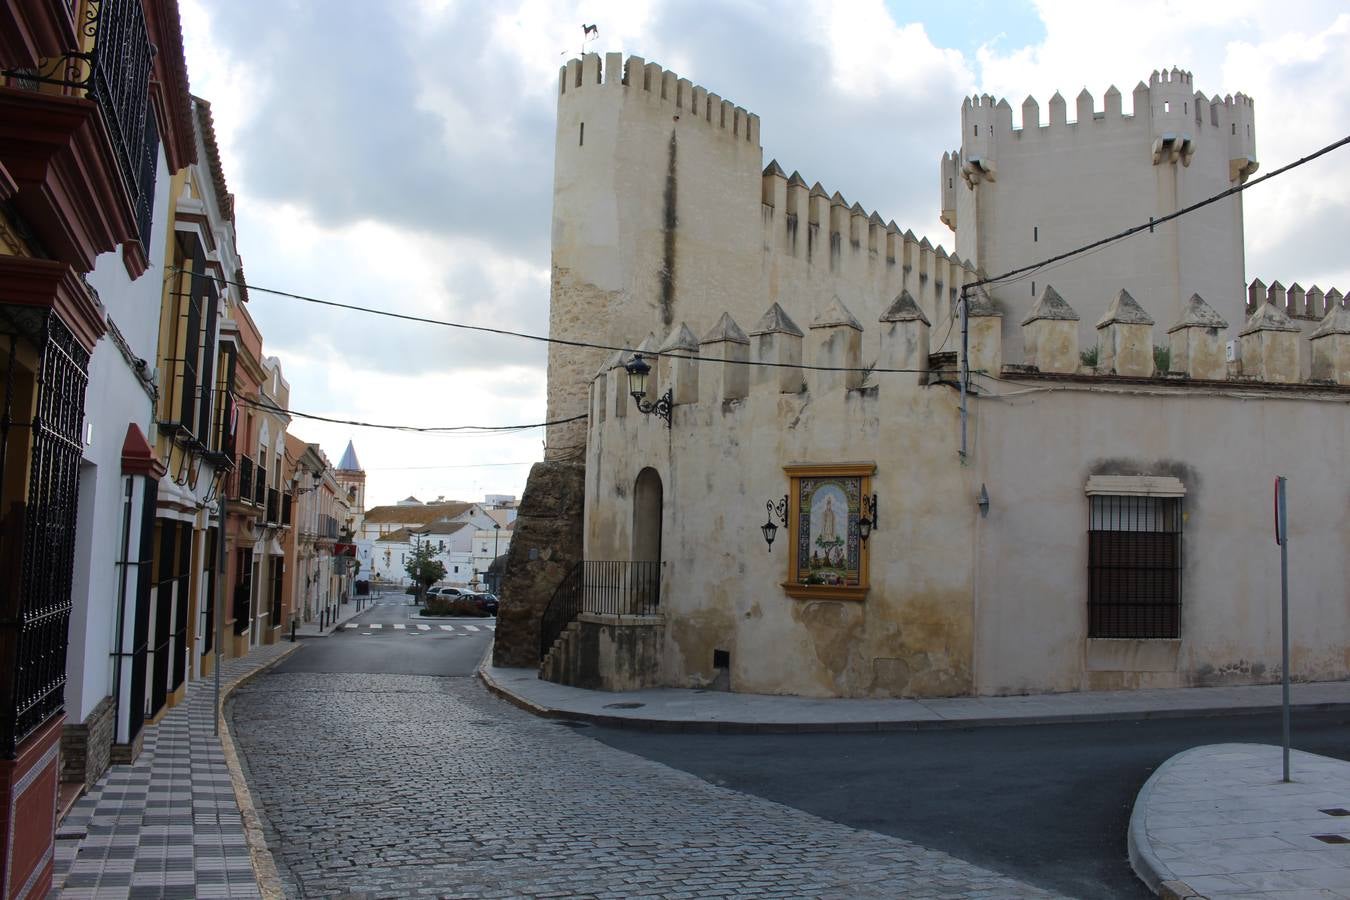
(638, 369)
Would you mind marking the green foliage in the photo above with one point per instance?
(1162, 359)
(423, 567)
(1089, 356)
(451, 606)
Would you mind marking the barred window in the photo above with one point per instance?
(1134, 566)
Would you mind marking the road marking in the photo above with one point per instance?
(492, 628)
(376, 625)
(351, 625)
(447, 628)
(400, 626)
(471, 627)
(365, 634)
(421, 627)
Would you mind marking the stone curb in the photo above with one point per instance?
(685, 726)
(1151, 869)
(264, 865)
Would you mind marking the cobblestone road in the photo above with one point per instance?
(398, 785)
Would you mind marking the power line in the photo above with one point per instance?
(423, 320)
(1153, 223)
(421, 429)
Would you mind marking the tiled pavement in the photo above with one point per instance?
(168, 825)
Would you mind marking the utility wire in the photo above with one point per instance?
(422, 429)
(1153, 223)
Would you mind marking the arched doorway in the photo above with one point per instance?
(647, 517)
(644, 583)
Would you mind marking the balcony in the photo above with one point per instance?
(79, 138)
(286, 509)
(244, 480)
(259, 485)
(273, 506)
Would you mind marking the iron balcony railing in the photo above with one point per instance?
(245, 479)
(273, 506)
(119, 83)
(328, 527)
(603, 587)
(286, 509)
(259, 485)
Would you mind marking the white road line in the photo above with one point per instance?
(350, 625)
(471, 627)
(400, 626)
(492, 628)
(446, 628)
(376, 625)
(421, 627)
(365, 634)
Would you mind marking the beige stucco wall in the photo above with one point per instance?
(1035, 452)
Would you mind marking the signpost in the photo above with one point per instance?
(1282, 538)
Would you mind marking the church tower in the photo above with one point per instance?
(353, 479)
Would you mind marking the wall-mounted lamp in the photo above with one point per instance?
(638, 370)
(869, 518)
(769, 529)
(983, 502)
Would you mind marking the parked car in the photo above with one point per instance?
(448, 592)
(485, 602)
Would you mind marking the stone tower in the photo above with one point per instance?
(1018, 195)
(656, 201)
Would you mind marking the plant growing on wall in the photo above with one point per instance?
(1162, 359)
(423, 567)
(1089, 357)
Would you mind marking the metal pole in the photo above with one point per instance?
(1282, 532)
(965, 366)
(219, 600)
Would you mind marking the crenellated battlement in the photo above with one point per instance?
(637, 77)
(1311, 304)
(838, 353)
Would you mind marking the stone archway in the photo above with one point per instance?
(647, 517)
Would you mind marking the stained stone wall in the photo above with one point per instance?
(545, 546)
(86, 749)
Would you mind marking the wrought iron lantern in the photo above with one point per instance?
(868, 520)
(769, 529)
(638, 369)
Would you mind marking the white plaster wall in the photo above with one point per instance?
(113, 399)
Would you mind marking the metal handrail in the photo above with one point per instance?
(602, 587)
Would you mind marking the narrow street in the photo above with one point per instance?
(383, 768)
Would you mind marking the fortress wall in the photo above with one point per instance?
(933, 624)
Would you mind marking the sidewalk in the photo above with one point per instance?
(1218, 821)
(168, 825)
(675, 709)
(347, 610)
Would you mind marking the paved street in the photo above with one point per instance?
(1046, 803)
(400, 785)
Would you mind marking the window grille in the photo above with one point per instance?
(1134, 567)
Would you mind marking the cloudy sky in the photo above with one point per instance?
(399, 154)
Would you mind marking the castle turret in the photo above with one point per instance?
(1072, 173)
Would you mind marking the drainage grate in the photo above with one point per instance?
(624, 705)
(1332, 838)
(1335, 811)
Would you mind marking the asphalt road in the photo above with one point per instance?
(1048, 804)
(399, 646)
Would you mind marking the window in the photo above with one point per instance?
(1134, 557)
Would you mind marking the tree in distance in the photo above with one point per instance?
(424, 568)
